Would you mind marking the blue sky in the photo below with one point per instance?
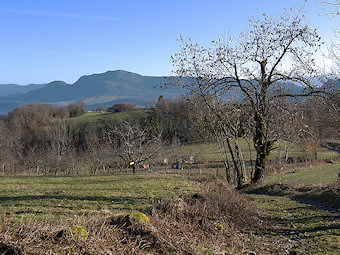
(45, 40)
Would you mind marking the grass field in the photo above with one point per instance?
(317, 175)
(296, 228)
(67, 196)
(299, 220)
(97, 116)
(289, 222)
(288, 225)
(209, 151)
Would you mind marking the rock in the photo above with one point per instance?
(137, 217)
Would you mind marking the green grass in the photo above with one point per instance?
(317, 175)
(295, 224)
(97, 116)
(69, 196)
(209, 151)
(298, 227)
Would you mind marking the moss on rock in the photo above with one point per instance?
(137, 217)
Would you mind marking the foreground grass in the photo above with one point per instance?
(210, 222)
(296, 228)
(301, 211)
(69, 196)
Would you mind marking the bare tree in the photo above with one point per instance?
(272, 59)
(332, 8)
(136, 143)
(224, 122)
(331, 104)
(11, 147)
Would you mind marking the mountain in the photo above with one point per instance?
(94, 90)
(101, 89)
(9, 89)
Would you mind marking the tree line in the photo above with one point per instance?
(44, 139)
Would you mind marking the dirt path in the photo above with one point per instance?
(295, 227)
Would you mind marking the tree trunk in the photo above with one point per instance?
(260, 166)
(241, 176)
(227, 171)
(221, 141)
(263, 148)
(236, 166)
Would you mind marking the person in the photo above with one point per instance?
(133, 166)
(178, 166)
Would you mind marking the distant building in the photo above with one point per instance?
(116, 108)
(121, 108)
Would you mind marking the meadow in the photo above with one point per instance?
(318, 175)
(209, 151)
(190, 210)
(280, 216)
(53, 197)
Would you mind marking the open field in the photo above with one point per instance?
(286, 223)
(322, 174)
(69, 196)
(209, 151)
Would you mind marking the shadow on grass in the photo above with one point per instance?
(324, 198)
(272, 190)
(308, 227)
(333, 228)
(120, 199)
(310, 218)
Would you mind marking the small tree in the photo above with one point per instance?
(224, 123)
(135, 142)
(272, 59)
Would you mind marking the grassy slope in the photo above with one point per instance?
(207, 151)
(55, 197)
(97, 116)
(288, 225)
(316, 175)
(298, 225)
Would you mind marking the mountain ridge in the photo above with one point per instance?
(98, 89)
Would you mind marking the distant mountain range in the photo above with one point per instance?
(103, 89)
(94, 90)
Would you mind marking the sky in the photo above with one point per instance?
(46, 40)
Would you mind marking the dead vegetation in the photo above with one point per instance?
(210, 222)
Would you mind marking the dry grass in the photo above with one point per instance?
(209, 222)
